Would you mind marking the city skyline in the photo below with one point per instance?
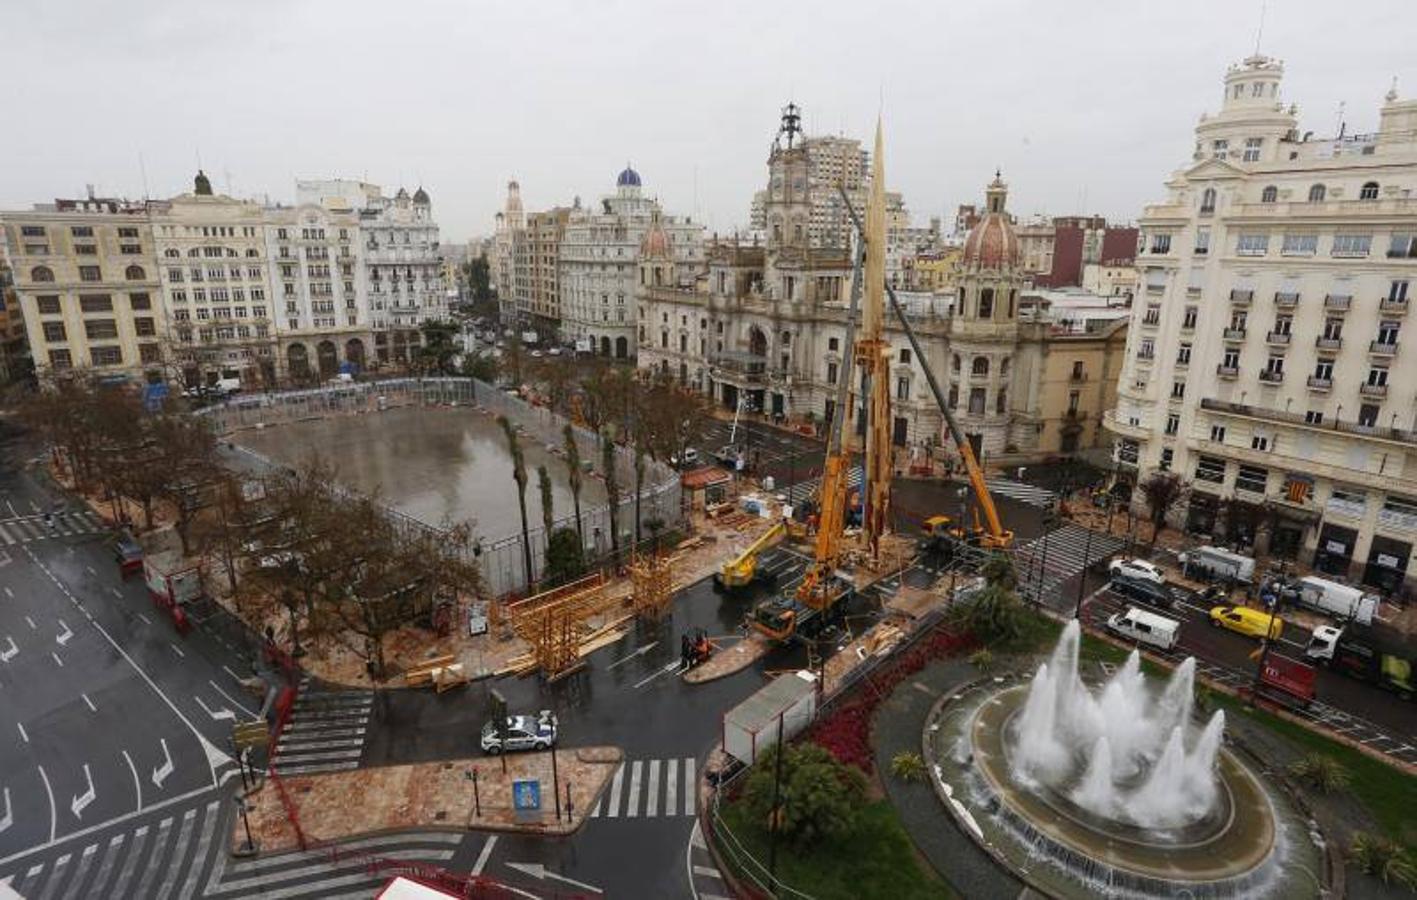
(1093, 141)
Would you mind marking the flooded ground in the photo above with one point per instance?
(437, 465)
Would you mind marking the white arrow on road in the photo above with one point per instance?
(219, 714)
(161, 772)
(63, 637)
(83, 800)
(640, 652)
(9, 818)
(541, 873)
(7, 655)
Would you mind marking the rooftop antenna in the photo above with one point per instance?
(1259, 32)
(1342, 125)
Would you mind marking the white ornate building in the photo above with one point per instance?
(1266, 364)
(511, 223)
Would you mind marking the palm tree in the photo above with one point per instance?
(519, 473)
(543, 482)
(612, 491)
(573, 462)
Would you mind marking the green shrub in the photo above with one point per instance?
(819, 800)
(908, 766)
(1320, 771)
(982, 659)
(1384, 858)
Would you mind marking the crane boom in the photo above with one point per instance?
(997, 535)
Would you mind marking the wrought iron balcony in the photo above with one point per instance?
(1320, 384)
(1234, 334)
(1383, 348)
(1241, 297)
(1373, 390)
(1271, 376)
(1278, 338)
(1328, 343)
(1286, 300)
(1339, 302)
(1225, 371)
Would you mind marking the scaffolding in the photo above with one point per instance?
(652, 576)
(556, 623)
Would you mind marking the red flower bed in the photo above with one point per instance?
(845, 732)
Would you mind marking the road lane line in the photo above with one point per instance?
(23, 734)
(85, 863)
(671, 786)
(652, 801)
(146, 620)
(178, 650)
(49, 792)
(174, 869)
(483, 856)
(137, 782)
(31, 623)
(117, 593)
(89, 703)
(56, 875)
(616, 785)
(632, 803)
(227, 670)
(145, 884)
(105, 868)
(91, 571)
(244, 708)
(204, 843)
(140, 837)
(691, 786)
(57, 659)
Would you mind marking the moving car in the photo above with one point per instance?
(1138, 569)
(536, 732)
(1146, 628)
(1246, 621)
(1148, 592)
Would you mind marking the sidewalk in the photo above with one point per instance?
(336, 806)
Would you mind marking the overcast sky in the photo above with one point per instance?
(1086, 106)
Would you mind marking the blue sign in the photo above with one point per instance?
(526, 795)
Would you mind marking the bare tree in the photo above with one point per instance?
(612, 492)
(1163, 491)
(514, 447)
(573, 462)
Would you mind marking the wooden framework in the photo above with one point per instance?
(653, 578)
(555, 623)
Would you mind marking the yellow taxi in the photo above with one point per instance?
(1246, 621)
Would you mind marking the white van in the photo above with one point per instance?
(1145, 628)
(1338, 600)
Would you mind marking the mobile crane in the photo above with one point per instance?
(743, 570)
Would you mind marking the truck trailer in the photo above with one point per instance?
(1337, 600)
(1367, 654)
(786, 705)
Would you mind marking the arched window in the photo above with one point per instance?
(1269, 195)
(1208, 200)
(1369, 191)
(134, 273)
(41, 273)
(986, 303)
(980, 366)
(172, 251)
(1317, 193)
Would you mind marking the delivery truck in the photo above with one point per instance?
(1146, 628)
(785, 706)
(1338, 600)
(1213, 562)
(1289, 681)
(1367, 654)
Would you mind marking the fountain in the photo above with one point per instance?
(1115, 785)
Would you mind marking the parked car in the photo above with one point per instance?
(536, 732)
(1244, 620)
(1148, 592)
(691, 458)
(1139, 569)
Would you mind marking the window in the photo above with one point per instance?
(60, 359)
(1402, 245)
(143, 326)
(37, 249)
(90, 273)
(1317, 193)
(106, 356)
(1369, 191)
(1333, 329)
(831, 373)
(1387, 332)
(1074, 398)
(1178, 390)
(85, 250)
(1323, 370)
(1269, 195)
(1202, 241)
(1217, 434)
(1259, 442)
(1368, 415)
(96, 303)
(1001, 402)
(1300, 245)
(149, 353)
(101, 329)
(1252, 244)
(134, 273)
(902, 388)
(1377, 376)
(139, 301)
(1231, 359)
(1167, 457)
(1152, 316)
(1183, 355)
(1352, 244)
(1218, 150)
(1188, 319)
(48, 306)
(1078, 373)
(1161, 243)
(1274, 365)
(833, 344)
(1313, 417)
(986, 303)
(82, 231)
(1397, 291)
(42, 274)
(32, 230)
(1147, 349)
(977, 401)
(1252, 147)
(980, 366)
(1128, 451)
(954, 363)
(1208, 468)
(1173, 423)
(54, 332)
(1252, 478)
(904, 356)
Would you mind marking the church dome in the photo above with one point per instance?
(628, 178)
(992, 243)
(420, 196)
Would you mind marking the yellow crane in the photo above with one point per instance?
(743, 570)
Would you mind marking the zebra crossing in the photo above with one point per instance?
(358, 869)
(649, 788)
(23, 529)
(1018, 490)
(1045, 563)
(806, 490)
(325, 732)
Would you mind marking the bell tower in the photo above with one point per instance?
(788, 207)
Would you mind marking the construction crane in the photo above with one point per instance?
(782, 617)
(991, 533)
(743, 570)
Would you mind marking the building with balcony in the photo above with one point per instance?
(1282, 263)
(510, 222)
(86, 279)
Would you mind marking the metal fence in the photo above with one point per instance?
(501, 559)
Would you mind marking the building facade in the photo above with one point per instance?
(87, 281)
(1264, 360)
(511, 222)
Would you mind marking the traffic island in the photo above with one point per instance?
(473, 794)
(730, 661)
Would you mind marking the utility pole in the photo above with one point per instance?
(775, 820)
(1082, 576)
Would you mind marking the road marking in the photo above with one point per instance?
(85, 863)
(616, 786)
(110, 859)
(82, 801)
(146, 620)
(670, 667)
(227, 670)
(541, 873)
(25, 736)
(204, 843)
(91, 571)
(640, 652)
(184, 837)
(482, 857)
(140, 838)
(671, 786)
(137, 782)
(176, 649)
(9, 818)
(7, 655)
(692, 786)
(161, 772)
(219, 714)
(708, 872)
(632, 803)
(56, 875)
(57, 659)
(164, 831)
(48, 792)
(89, 703)
(117, 593)
(33, 627)
(652, 801)
(9, 593)
(237, 703)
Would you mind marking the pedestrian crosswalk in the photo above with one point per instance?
(806, 490)
(23, 529)
(325, 732)
(1045, 563)
(1018, 490)
(357, 869)
(649, 788)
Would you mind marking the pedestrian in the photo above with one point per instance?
(49, 520)
(685, 650)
